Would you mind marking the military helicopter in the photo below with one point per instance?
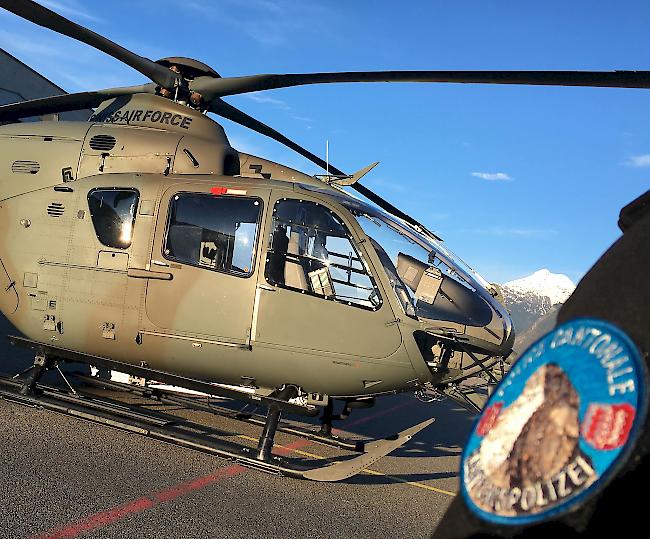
(142, 242)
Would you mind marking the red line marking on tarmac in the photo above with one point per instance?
(134, 507)
(105, 518)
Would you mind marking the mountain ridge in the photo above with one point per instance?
(533, 302)
(556, 286)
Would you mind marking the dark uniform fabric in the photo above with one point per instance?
(617, 290)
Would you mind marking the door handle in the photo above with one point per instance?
(138, 273)
(267, 287)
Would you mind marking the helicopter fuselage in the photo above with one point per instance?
(143, 237)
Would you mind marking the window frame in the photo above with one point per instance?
(354, 242)
(135, 213)
(254, 247)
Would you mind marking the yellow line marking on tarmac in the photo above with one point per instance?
(366, 471)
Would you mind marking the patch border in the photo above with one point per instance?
(605, 478)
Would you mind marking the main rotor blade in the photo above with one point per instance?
(226, 110)
(211, 88)
(49, 19)
(66, 102)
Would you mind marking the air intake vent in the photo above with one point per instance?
(55, 209)
(25, 167)
(102, 143)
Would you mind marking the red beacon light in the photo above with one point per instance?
(227, 191)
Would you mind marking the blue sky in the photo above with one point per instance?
(513, 178)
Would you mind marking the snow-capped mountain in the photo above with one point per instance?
(533, 297)
(556, 286)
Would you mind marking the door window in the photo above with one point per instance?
(113, 213)
(311, 251)
(213, 232)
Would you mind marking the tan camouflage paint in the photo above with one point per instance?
(62, 287)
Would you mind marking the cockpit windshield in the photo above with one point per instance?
(407, 255)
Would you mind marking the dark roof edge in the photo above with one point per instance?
(33, 70)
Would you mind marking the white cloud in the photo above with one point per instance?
(269, 23)
(70, 8)
(260, 97)
(305, 119)
(25, 44)
(264, 99)
(259, 5)
(72, 65)
(492, 176)
(638, 161)
(515, 232)
(79, 81)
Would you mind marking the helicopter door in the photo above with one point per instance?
(207, 239)
(318, 292)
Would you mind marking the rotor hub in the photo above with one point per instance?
(188, 67)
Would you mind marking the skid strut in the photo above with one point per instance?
(326, 419)
(268, 434)
(31, 376)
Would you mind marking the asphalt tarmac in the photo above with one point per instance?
(62, 477)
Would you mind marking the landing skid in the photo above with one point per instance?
(197, 403)
(175, 430)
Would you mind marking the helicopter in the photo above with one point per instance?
(142, 242)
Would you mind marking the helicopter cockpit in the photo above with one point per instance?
(436, 288)
(422, 271)
(312, 250)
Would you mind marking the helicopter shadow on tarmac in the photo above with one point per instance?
(14, 359)
(442, 441)
(444, 438)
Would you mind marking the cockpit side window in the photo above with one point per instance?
(311, 251)
(213, 232)
(113, 213)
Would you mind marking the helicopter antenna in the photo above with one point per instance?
(327, 157)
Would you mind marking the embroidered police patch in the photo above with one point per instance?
(558, 426)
